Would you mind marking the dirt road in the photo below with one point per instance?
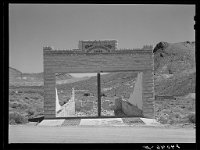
(88, 134)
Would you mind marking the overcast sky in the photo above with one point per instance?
(33, 26)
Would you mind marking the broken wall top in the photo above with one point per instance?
(97, 47)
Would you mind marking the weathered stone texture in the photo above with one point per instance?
(95, 63)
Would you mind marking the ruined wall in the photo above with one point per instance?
(58, 107)
(148, 95)
(69, 62)
(122, 105)
(130, 109)
(57, 61)
(49, 93)
(67, 110)
(136, 96)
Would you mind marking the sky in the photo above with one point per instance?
(33, 26)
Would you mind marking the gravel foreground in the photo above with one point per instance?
(100, 134)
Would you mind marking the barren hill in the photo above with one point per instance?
(17, 78)
(14, 74)
(175, 68)
(170, 58)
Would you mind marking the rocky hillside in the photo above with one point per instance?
(175, 68)
(18, 78)
(173, 58)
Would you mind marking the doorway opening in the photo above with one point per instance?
(76, 95)
(116, 87)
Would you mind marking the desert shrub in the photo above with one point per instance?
(14, 105)
(86, 94)
(12, 121)
(17, 118)
(39, 107)
(163, 118)
(30, 112)
(88, 106)
(192, 118)
(11, 99)
(18, 105)
(183, 107)
(103, 94)
(190, 108)
(170, 71)
(35, 97)
(177, 115)
(62, 103)
(174, 118)
(23, 106)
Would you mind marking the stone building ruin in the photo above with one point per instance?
(98, 57)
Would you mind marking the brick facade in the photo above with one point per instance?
(81, 61)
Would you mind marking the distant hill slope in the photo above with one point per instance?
(18, 78)
(112, 84)
(32, 76)
(63, 76)
(14, 74)
(174, 68)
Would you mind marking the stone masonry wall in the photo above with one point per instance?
(72, 62)
(148, 94)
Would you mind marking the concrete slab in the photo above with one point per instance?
(103, 122)
(151, 122)
(32, 123)
(51, 122)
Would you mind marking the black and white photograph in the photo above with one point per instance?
(102, 73)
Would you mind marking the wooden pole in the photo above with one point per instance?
(99, 94)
